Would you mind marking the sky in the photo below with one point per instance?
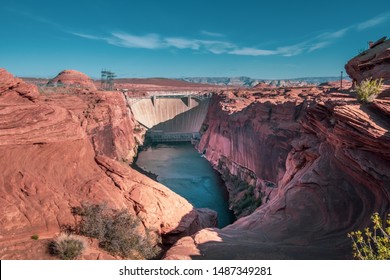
(178, 38)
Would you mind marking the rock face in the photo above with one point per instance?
(72, 78)
(59, 150)
(320, 162)
(373, 63)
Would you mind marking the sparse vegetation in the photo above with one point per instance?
(248, 203)
(35, 236)
(244, 199)
(373, 244)
(368, 90)
(116, 230)
(67, 247)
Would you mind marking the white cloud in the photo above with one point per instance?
(373, 22)
(217, 47)
(149, 41)
(334, 35)
(211, 34)
(181, 43)
(318, 46)
(252, 52)
(86, 36)
(155, 41)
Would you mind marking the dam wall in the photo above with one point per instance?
(170, 117)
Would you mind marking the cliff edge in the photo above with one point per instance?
(315, 160)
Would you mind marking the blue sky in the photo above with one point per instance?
(173, 38)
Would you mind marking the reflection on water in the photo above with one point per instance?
(182, 169)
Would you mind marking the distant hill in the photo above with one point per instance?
(158, 82)
(250, 82)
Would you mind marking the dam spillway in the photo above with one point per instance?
(171, 117)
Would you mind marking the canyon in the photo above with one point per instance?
(303, 165)
(64, 146)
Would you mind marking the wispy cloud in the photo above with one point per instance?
(252, 52)
(334, 35)
(217, 43)
(155, 41)
(85, 36)
(181, 43)
(211, 34)
(121, 39)
(318, 46)
(374, 21)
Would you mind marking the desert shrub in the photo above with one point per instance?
(35, 236)
(67, 247)
(93, 219)
(368, 90)
(372, 244)
(116, 231)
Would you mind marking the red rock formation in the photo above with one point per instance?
(59, 150)
(72, 78)
(328, 159)
(373, 63)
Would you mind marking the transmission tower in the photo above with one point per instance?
(107, 79)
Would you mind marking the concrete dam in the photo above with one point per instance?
(171, 116)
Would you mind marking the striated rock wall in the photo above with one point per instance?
(251, 145)
(58, 150)
(332, 171)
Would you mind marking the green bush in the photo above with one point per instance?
(67, 247)
(368, 90)
(116, 231)
(373, 244)
(35, 236)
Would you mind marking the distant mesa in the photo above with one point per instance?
(72, 78)
(264, 85)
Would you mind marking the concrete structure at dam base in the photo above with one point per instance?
(171, 116)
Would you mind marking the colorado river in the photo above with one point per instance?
(182, 169)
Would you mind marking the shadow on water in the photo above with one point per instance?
(182, 169)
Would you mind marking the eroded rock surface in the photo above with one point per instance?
(319, 160)
(58, 150)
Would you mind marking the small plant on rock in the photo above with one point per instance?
(368, 90)
(35, 237)
(373, 244)
(116, 230)
(67, 247)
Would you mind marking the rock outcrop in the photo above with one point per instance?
(72, 78)
(320, 160)
(372, 63)
(58, 150)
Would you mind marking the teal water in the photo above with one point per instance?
(182, 169)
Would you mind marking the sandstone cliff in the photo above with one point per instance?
(319, 161)
(58, 150)
(372, 63)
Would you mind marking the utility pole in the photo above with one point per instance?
(341, 80)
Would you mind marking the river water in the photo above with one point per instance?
(181, 168)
